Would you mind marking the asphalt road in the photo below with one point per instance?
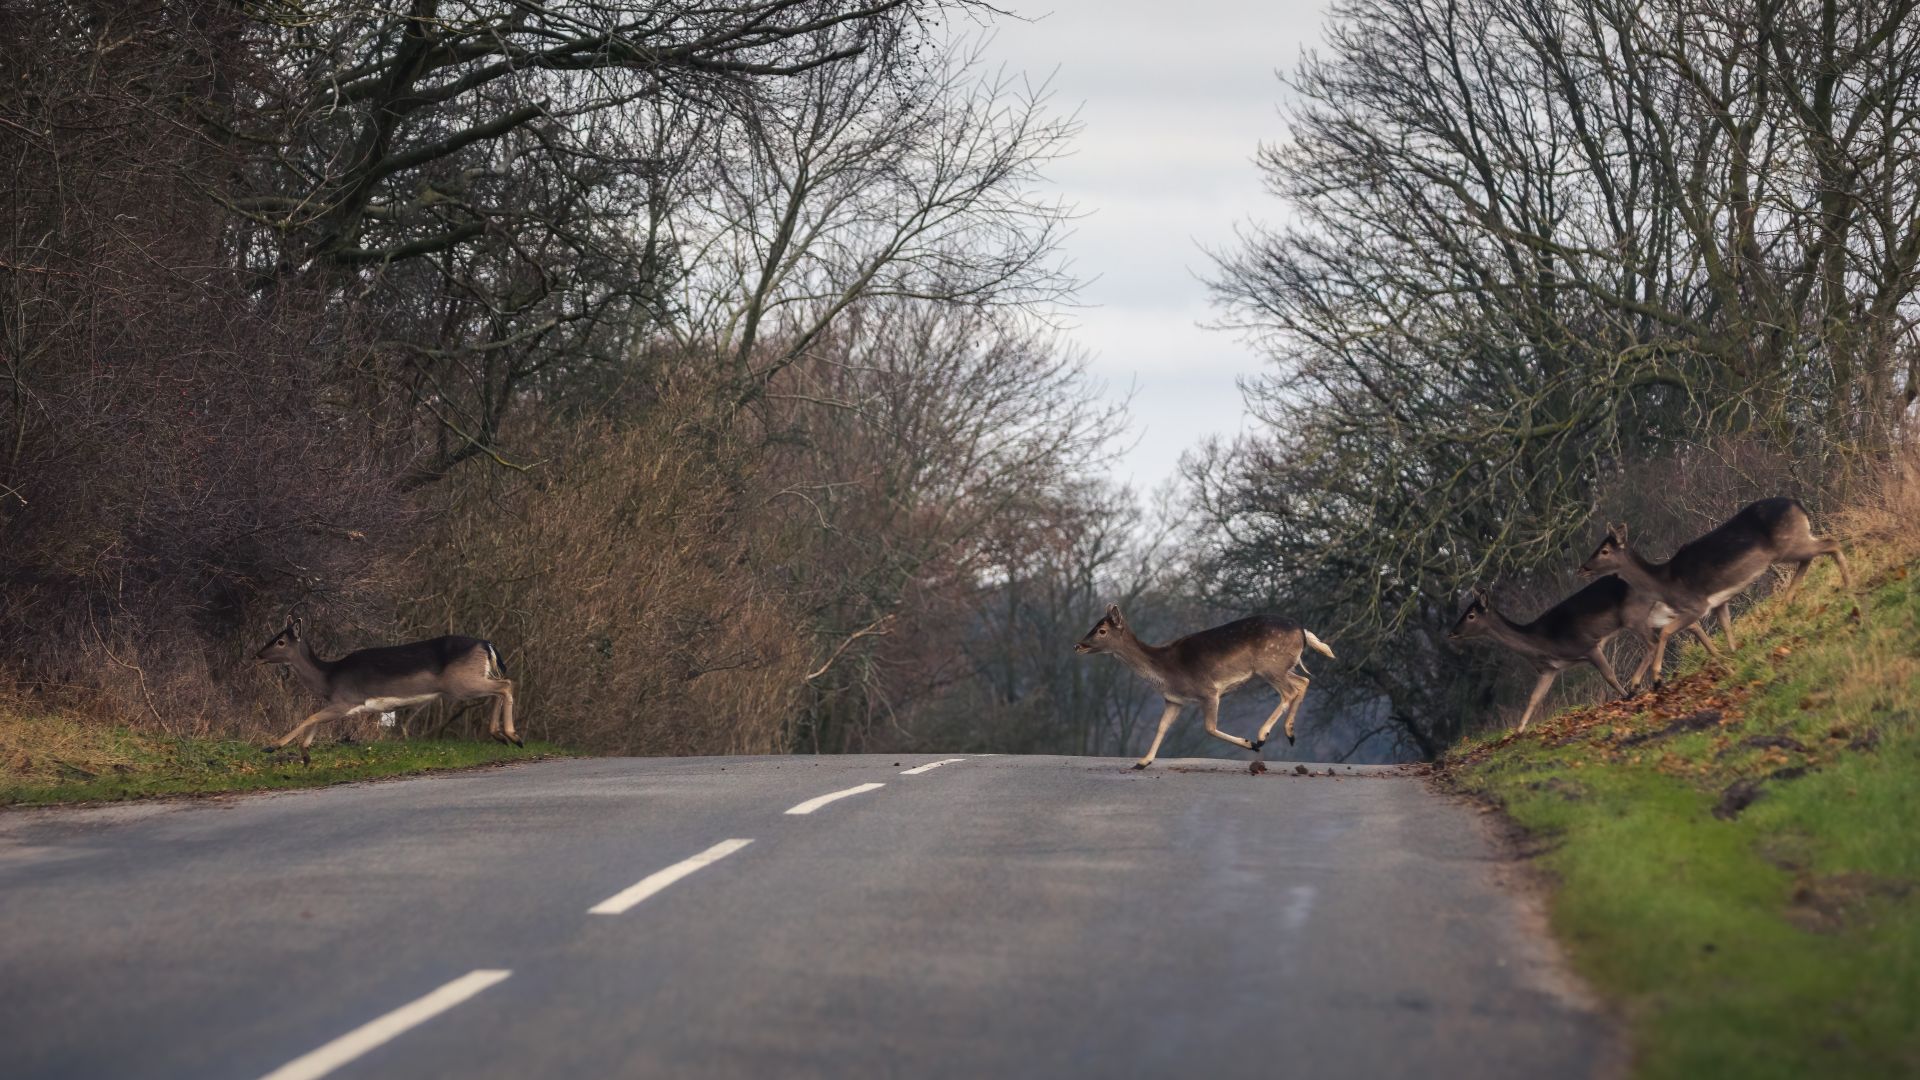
(995, 916)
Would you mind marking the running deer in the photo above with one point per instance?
(394, 677)
(1198, 668)
(1706, 573)
(1574, 631)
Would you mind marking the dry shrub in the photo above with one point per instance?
(1885, 518)
(176, 460)
(620, 583)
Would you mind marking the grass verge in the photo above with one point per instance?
(47, 759)
(1737, 859)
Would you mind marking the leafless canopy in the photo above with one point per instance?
(1531, 240)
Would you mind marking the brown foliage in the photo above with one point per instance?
(625, 589)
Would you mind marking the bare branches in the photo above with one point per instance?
(1533, 239)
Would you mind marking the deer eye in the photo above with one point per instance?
(1472, 615)
(1103, 631)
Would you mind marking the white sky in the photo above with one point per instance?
(1175, 99)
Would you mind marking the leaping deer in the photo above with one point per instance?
(1705, 574)
(1574, 631)
(1198, 668)
(393, 677)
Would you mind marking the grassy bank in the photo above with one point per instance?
(51, 759)
(1737, 860)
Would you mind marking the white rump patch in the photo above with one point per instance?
(387, 705)
(1660, 616)
(386, 719)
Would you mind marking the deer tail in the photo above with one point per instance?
(493, 657)
(1316, 644)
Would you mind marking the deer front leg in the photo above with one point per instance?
(1210, 712)
(309, 727)
(1166, 721)
(1726, 623)
(1660, 654)
(305, 727)
(1533, 701)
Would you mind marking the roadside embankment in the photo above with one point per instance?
(47, 758)
(1736, 860)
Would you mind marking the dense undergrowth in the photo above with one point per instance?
(1737, 858)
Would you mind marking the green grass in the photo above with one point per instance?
(50, 759)
(1784, 941)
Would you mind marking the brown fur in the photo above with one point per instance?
(392, 677)
(1199, 668)
(1706, 573)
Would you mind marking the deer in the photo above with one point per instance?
(1574, 631)
(391, 677)
(1705, 574)
(1199, 668)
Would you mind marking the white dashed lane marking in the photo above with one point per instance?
(819, 801)
(660, 879)
(930, 766)
(376, 1032)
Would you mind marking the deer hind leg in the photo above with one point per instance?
(1660, 653)
(1166, 721)
(1646, 663)
(1812, 551)
(1540, 689)
(1705, 635)
(1599, 660)
(1294, 713)
(1292, 688)
(503, 712)
(1698, 628)
(1284, 688)
(1793, 583)
(1210, 713)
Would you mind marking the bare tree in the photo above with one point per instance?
(1534, 239)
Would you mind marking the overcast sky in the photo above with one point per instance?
(1175, 99)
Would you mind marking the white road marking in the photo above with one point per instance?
(660, 879)
(376, 1032)
(817, 802)
(1299, 906)
(930, 766)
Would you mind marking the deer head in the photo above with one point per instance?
(1111, 627)
(1476, 619)
(1610, 554)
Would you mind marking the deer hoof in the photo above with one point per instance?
(1257, 744)
(1257, 768)
(1289, 740)
(1138, 765)
(517, 742)
(306, 758)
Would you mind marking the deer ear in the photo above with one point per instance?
(293, 627)
(1114, 616)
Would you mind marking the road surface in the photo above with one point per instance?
(988, 917)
